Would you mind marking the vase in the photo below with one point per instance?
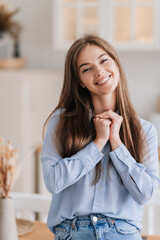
(16, 50)
(5, 45)
(8, 228)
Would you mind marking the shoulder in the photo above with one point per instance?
(51, 123)
(148, 127)
(56, 114)
(54, 118)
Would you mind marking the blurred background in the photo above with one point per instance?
(32, 54)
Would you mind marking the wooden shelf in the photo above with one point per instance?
(12, 63)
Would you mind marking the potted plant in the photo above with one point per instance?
(8, 168)
(9, 27)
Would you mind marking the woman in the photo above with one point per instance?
(99, 158)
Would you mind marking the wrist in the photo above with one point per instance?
(115, 144)
(100, 143)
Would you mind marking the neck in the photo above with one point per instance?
(104, 103)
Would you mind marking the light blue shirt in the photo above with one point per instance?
(70, 179)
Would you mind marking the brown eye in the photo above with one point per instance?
(86, 70)
(104, 60)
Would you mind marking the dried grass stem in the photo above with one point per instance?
(8, 166)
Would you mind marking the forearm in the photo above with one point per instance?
(61, 173)
(139, 181)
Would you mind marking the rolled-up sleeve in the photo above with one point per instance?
(139, 178)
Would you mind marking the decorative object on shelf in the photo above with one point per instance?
(8, 228)
(8, 167)
(9, 31)
(12, 63)
(16, 50)
(4, 45)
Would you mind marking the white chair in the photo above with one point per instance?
(151, 217)
(31, 206)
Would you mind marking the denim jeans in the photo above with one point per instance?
(96, 227)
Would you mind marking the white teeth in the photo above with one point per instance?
(103, 80)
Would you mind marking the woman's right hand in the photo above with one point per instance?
(102, 127)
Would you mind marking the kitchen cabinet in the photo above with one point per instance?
(27, 97)
(127, 24)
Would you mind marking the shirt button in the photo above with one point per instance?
(95, 219)
(92, 159)
(100, 188)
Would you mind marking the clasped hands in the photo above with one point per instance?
(107, 126)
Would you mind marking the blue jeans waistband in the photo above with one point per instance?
(88, 219)
(96, 226)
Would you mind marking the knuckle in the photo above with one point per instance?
(121, 118)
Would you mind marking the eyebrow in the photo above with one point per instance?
(83, 64)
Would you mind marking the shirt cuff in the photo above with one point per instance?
(123, 155)
(130, 168)
(90, 156)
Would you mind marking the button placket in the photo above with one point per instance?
(99, 191)
(99, 196)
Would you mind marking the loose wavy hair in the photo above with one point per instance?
(75, 128)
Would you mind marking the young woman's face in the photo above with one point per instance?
(97, 70)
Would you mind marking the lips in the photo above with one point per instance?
(103, 80)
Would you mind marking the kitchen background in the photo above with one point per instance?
(29, 94)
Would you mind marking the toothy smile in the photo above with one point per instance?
(103, 81)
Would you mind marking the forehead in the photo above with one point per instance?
(89, 53)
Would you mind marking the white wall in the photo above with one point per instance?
(142, 68)
(143, 75)
(26, 99)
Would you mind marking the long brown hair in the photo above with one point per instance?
(75, 128)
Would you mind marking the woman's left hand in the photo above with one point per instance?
(116, 119)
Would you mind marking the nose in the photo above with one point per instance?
(99, 71)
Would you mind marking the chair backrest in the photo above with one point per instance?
(31, 206)
(151, 217)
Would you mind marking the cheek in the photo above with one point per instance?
(116, 71)
(117, 74)
(85, 79)
(82, 82)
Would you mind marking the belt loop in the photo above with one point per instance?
(73, 226)
(110, 221)
(90, 217)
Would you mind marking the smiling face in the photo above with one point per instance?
(97, 71)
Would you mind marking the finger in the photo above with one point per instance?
(106, 114)
(103, 120)
(110, 114)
